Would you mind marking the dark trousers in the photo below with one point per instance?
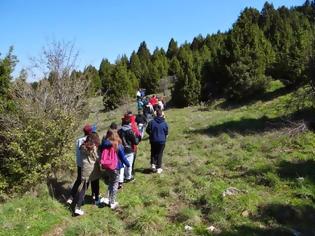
(133, 163)
(157, 154)
(77, 183)
(95, 185)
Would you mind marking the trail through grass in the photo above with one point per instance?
(209, 149)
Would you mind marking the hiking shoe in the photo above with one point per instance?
(114, 205)
(159, 170)
(104, 200)
(153, 167)
(78, 212)
(69, 201)
(98, 202)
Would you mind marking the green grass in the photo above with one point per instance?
(209, 149)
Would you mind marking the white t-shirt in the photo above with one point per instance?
(77, 150)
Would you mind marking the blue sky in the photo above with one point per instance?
(107, 29)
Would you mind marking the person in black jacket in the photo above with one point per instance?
(129, 140)
(141, 121)
(158, 131)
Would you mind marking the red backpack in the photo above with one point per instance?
(109, 159)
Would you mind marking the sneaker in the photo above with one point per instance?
(104, 200)
(69, 201)
(153, 167)
(78, 212)
(159, 170)
(98, 202)
(114, 205)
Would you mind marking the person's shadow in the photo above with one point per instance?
(145, 171)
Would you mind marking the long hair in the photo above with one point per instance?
(91, 141)
(113, 137)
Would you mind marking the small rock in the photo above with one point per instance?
(230, 191)
(188, 228)
(245, 213)
(301, 179)
(211, 228)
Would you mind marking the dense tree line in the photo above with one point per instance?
(273, 44)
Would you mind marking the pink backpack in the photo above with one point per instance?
(109, 159)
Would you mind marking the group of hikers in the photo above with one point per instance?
(113, 157)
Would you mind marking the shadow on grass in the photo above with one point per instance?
(146, 171)
(280, 219)
(268, 96)
(251, 125)
(58, 190)
(250, 231)
(296, 169)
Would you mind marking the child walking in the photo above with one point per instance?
(112, 140)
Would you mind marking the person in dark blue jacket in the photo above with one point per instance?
(112, 140)
(158, 131)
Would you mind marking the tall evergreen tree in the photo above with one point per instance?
(135, 65)
(172, 49)
(186, 90)
(197, 43)
(92, 75)
(7, 65)
(161, 62)
(250, 54)
(105, 74)
(144, 53)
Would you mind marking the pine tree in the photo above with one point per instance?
(186, 90)
(144, 53)
(92, 75)
(172, 49)
(7, 65)
(135, 65)
(105, 73)
(250, 54)
(161, 62)
(175, 68)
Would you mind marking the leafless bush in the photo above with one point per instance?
(57, 89)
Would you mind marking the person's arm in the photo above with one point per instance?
(122, 157)
(134, 139)
(166, 129)
(148, 129)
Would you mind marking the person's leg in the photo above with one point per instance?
(160, 149)
(113, 187)
(128, 170)
(152, 153)
(95, 185)
(77, 183)
(82, 194)
(121, 176)
(133, 163)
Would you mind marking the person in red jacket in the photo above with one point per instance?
(154, 101)
(134, 128)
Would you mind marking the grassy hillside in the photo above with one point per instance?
(248, 147)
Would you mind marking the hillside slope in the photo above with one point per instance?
(247, 147)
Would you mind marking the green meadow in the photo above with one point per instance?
(255, 149)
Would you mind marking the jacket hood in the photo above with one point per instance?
(106, 144)
(126, 127)
(159, 119)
